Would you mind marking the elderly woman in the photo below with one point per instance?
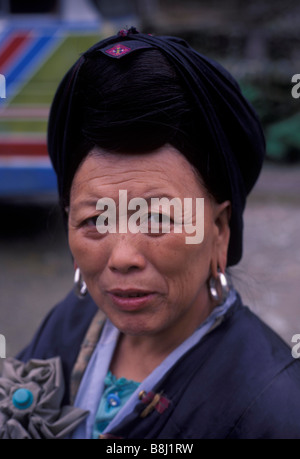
(157, 343)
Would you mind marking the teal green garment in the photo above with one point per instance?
(115, 395)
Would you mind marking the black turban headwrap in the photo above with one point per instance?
(230, 121)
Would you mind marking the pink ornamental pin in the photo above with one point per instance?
(124, 47)
(118, 50)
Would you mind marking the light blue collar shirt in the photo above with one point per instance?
(92, 384)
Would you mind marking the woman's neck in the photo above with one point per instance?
(136, 356)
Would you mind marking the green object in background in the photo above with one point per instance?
(283, 139)
(283, 136)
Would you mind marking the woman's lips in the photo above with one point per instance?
(131, 299)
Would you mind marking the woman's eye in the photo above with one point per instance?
(159, 223)
(158, 218)
(90, 222)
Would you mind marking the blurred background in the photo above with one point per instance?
(258, 42)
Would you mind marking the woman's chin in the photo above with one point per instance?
(136, 324)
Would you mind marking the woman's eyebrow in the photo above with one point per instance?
(147, 196)
(150, 195)
(84, 203)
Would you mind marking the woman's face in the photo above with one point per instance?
(146, 283)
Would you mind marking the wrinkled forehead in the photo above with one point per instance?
(164, 172)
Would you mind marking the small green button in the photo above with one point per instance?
(22, 398)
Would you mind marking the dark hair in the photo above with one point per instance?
(137, 104)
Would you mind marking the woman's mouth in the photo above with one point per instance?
(130, 299)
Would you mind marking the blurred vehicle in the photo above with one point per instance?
(38, 42)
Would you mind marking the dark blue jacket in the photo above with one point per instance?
(240, 381)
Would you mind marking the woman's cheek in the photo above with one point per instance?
(84, 251)
(167, 250)
(175, 253)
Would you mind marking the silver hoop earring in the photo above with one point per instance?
(219, 284)
(79, 284)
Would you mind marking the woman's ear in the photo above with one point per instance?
(222, 213)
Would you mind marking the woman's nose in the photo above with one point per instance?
(125, 255)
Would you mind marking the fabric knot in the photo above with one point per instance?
(126, 32)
